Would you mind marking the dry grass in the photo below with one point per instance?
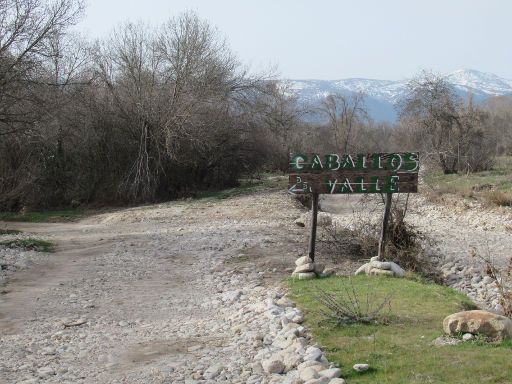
(500, 198)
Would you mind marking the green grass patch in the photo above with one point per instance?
(44, 216)
(248, 186)
(29, 244)
(401, 351)
(9, 232)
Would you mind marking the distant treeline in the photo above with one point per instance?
(155, 113)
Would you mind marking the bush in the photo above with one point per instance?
(353, 307)
(360, 241)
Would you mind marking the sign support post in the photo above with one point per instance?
(314, 216)
(385, 220)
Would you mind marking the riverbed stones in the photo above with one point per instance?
(308, 373)
(487, 324)
(227, 308)
(331, 373)
(337, 381)
(45, 372)
(273, 366)
(213, 371)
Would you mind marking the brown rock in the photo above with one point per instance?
(478, 322)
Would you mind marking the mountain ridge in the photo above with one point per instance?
(382, 96)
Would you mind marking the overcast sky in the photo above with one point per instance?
(335, 39)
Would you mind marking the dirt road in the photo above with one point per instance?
(154, 288)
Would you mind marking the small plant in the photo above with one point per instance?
(351, 307)
(29, 244)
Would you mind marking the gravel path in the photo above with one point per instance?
(174, 293)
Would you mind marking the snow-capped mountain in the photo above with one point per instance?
(381, 96)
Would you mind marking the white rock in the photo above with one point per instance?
(309, 267)
(285, 302)
(311, 363)
(337, 381)
(365, 268)
(468, 336)
(273, 366)
(328, 272)
(48, 351)
(308, 373)
(331, 373)
(303, 260)
(213, 371)
(45, 372)
(313, 353)
(320, 380)
(361, 367)
(397, 270)
(306, 275)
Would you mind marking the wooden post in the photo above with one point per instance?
(384, 232)
(314, 214)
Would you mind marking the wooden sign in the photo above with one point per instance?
(347, 174)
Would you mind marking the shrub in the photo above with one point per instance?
(352, 307)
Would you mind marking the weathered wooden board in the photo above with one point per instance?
(348, 174)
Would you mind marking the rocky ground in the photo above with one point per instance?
(190, 291)
(178, 293)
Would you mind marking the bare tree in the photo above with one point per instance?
(26, 26)
(344, 114)
(433, 108)
(445, 126)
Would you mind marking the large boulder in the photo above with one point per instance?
(478, 322)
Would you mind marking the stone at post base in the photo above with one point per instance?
(310, 267)
(303, 260)
(305, 275)
(305, 268)
(380, 268)
(380, 272)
